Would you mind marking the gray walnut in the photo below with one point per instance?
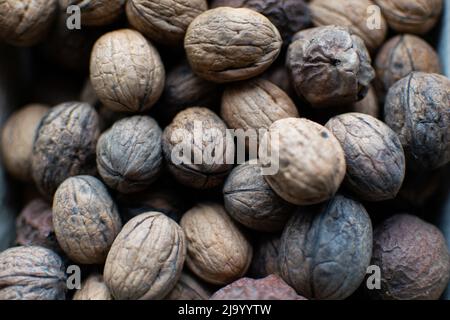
(265, 256)
(96, 12)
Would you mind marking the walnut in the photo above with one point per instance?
(369, 105)
(217, 250)
(228, 44)
(126, 71)
(189, 288)
(96, 12)
(146, 259)
(85, 218)
(265, 256)
(93, 288)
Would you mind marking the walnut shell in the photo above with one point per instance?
(402, 55)
(269, 288)
(86, 219)
(189, 288)
(26, 22)
(164, 21)
(64, 145)
(329, 66)
(373, 153)
(217, 250)
(325, 251)
(198, 131)
(313, 177)
(417, 109)
(126, 71)
(129, 155)
(250, 200)
(93, 288)
(413, 257)
(18, 135)
(406, 16)
(369, 105)
(31, 273)
(265, 256)
(96, 12)
(228, 44)
(353, 14)
(146, 259)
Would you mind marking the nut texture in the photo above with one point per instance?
(85, 218)
(413, 257)
(230, 44)
(417, 109)
(325, 254)
(369, 105)
(250, 200)
(188, 288)
(31, 273)
(329, 66)
(64, 145)
(96, 12)
(126, 71)
(146, 259)
(217, 251)
(93, 288)
(164, 21)
(316, 175)
(373, 153)
(129, 155)
(265, 256)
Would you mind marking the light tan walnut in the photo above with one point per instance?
(93, 288)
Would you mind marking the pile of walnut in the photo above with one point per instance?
(141, 225)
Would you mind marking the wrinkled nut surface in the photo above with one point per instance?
(96, 12)
(217, 250)
(329, 66)
(146, 259)
(86, 219)
(373, 154)
(354, 14)
(313, 177)
(413, 257)
(249, 200)
(93, 288)
(402, 55)
(64, 145)
(417, 109)
(31, 273)
(324, 252)
(18, 135)
(198, 133)
(164, 21)
(189, 288)
(406, 16)
(269, 288)
(265, 256)
(129, 154)
(126, 71)
(230, 44)
(26, 22)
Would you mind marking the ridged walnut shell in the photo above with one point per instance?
(93, 288)
(96, 12)
(217, 250)
(189, 288)
(146, 259)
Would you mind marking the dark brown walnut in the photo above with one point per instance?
(26, 22)
(289, 16)
(189, 288)
(146, 259)
(417, 109)
(407, 16)
(230, 44)
(369, 105)
(269, 288)
(373, 154)
(311, 178)
(329, 66)
(96, 12)
(325, 251)
(354, 14)
(265, 256)
(217, 250)
(413, 258)
(31, 273)
(34, 226)
(64, 145)
(18, 135)
(164, 21)
(402, 55)
(93, 288)
(278, 74)
(250, 200)
(198, 149)
(86, 219)
(126, 71)
(129, 154)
